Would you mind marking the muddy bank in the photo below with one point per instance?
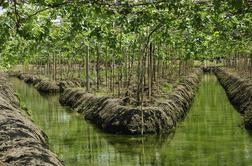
(64, 84)
(57, 86)
(42, 85)
(208, 69)
(32, 79)
(46, 86)
(21, 142)
(239, 92)
(112, 116)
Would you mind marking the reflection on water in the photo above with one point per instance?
(79, 143)
(210, 135)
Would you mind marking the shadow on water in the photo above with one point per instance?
(209, 135)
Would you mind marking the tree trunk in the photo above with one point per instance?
(113, 73)
(150, 72)
(97, 68)
(54, 67)
(87, 69)
(106, 67)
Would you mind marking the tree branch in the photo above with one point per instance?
(102, 3)
(16, 15)
(119, 4)
(160, 25)
(49, 6)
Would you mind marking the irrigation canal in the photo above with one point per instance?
(210, 135)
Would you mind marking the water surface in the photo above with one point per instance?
(210, 135)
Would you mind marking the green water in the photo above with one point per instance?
(210, 135)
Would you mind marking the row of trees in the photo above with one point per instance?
(121, 43)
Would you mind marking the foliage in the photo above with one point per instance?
(35, 29)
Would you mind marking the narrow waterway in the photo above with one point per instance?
(210, 135)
